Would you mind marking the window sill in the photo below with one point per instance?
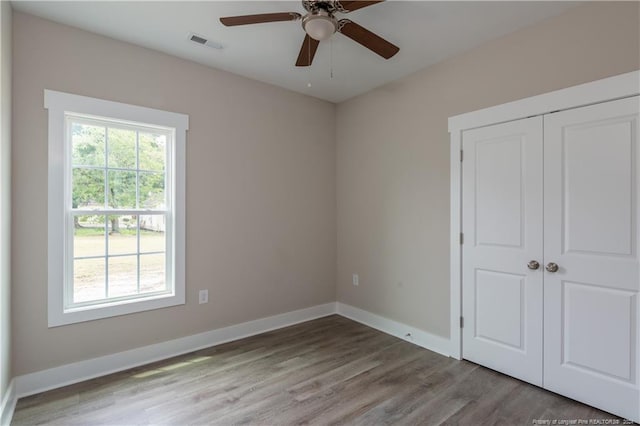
(107, 310)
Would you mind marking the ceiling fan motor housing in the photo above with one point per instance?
(330, 6)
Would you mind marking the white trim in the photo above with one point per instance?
(617, 87)
(56, 377)
(402, 331)
(41, 381)
(455, 274)
(58, 104)
(620, 86)
(125, 112)
(8, 404)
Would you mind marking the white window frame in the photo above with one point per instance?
(59, 105)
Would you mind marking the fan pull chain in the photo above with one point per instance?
(308, 40)
(331, 54)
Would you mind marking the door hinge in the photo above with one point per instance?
(461, 155)
(461, 238)
(461, 322)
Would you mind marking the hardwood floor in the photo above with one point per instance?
(328, 371)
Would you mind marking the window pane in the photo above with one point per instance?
(123, 238)
(152, 273)
(88, 236)
(152, 149)
(123, 276)
(152, 233)
(88, 188)
(87, 145)
(122, 148)
(88, 280)
(122, 189)
(152, 191)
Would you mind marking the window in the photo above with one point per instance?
(116, 208)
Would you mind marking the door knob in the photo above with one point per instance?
(552, 267)
(533, 265)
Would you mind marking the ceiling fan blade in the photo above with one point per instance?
(350, 6)
(307, 51)
(232, 21)
(368, 39)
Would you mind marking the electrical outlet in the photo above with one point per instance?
(356, 280)
(203, 296)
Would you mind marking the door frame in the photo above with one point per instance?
(607, 89)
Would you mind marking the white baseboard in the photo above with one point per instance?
(416, 336)
(64, 375)
(8, 404)
(56, 377)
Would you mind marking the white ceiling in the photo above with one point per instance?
(426, 32)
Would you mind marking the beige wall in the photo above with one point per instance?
(261, 198)
(5, 197)
(393, 152)
(261, 201)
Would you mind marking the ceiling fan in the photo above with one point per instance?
(320, 24)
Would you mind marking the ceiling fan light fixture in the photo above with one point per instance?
(319, 25)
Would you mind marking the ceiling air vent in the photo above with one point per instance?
(203, 41)
(198, 39)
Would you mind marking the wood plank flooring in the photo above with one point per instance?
(327, 371)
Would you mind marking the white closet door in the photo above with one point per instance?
(502, 225)
(591, 233)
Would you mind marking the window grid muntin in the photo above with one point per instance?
(116, 169)
(118, 255)
(106, 222)
(138, 245)
(138, 216)
(168, 188)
